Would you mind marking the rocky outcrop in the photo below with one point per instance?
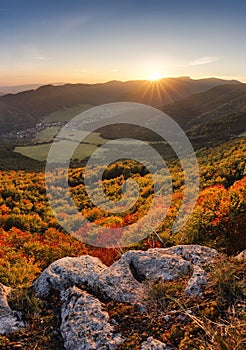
(122, 281)
(85, 323)
(10, 321)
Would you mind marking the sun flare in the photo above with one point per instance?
(155, 76)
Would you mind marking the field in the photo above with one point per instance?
(47, 135)
(40, 151)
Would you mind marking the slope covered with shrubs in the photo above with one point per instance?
(31, 238)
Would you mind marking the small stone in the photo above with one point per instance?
(153, 344)
(197, 280)
(167, 318)
(242, 255)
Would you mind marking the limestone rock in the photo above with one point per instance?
(196, 254)
(117, 282)
(10, 321)
(197, 280)
(153, 344)
(68, 272)
(242, 255)
(154, 265)
(122, 281)
(85, 323)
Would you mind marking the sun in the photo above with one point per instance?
(155, 76)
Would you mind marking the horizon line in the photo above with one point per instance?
(227, 78)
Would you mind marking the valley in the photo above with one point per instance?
(209, 118)
(33, 239)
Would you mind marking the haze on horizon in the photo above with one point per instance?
(84, 41)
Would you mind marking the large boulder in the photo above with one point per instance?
(68, 272)
(10, 321)
(85, 323)
(122, 281)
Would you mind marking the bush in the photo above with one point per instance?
(16, 270)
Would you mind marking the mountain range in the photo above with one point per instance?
(26, 109)
(217, 114)
(14, 89)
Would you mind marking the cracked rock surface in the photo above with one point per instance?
(85, 323)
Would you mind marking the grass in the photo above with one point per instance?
(37, 152)
(40, 151)
(215, 321)
(42, 323)
(47, 135)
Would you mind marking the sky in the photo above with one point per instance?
(96, 41)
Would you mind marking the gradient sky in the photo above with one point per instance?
(96, 41)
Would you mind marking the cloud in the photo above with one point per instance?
(202, 60)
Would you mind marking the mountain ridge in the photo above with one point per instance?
(36, 104)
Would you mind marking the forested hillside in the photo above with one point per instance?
(31, 237)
